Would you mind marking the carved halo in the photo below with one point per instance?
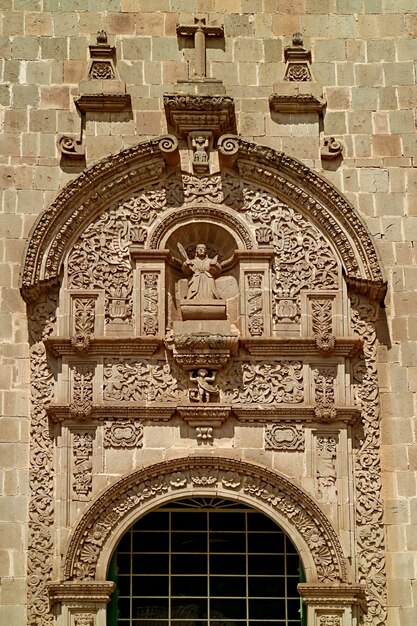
(122, 175)
(101, 527)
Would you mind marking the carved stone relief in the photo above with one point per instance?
(139, 380)
(329, 620)
(41, 508)
(324, 392)
(84, 619)
(119, 433)
(284, 437)
(263, 382)
(326, 447)
(82, 390)
(82, 448)
(369, 515)
(188, 374)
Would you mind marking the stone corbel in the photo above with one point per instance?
(331, 150)
(186, 113)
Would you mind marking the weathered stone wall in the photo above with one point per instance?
(363, 54)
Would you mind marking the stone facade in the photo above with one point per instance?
(278, 369)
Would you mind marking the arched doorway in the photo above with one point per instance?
(200, 561)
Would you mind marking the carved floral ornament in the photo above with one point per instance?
(107, 519)
(139, 167)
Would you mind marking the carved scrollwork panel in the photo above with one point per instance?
(322, 323)
(123, 434)
(137, 380)
(247, 382)
(83, 321)
(284, 437)
(150, 300)
(254, 294)
(324, 392)
(84, 619)
(326, 475)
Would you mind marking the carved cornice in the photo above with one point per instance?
(77, 591)
(156, 412)
(343, 346)
(103, 102)
(296, 103)
(281, 413)
(239, 480)
(126, 346)
(186, 113)
(204, 415)
(339, 595)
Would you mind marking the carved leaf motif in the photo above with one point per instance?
(82, 393)
(263, 382)
(303, 257)
(83, 466)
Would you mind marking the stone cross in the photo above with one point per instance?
(199, 30)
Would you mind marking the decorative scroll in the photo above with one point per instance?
(255, 304)
(82, 449)
(370, 546)
(263, 382)
(82, 391)
(83, 322)
(171, 479)
(322, 323)
(123, 434)
(137, 380)
(150, 303)
(326, 467)
(324, 392)
(284, 437)
(41, 509)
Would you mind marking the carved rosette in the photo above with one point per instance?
(41, 507)
(168, 479)
(82, 451)
(284, 437)
(369, 513)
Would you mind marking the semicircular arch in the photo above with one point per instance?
(119, 176)
(102, 525)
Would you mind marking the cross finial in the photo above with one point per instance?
(200, 30)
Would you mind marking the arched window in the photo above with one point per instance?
(205, 562)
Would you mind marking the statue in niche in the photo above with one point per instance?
(204, 387)
(202, 271)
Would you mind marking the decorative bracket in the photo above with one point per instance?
(331, 150)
